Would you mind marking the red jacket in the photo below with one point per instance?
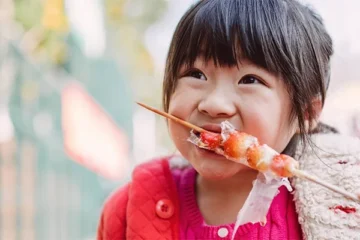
(146, 208)
(136, 212)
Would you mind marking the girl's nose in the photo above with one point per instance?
(217, 104)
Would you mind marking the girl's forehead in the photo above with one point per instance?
(202, 62)
(266, 33)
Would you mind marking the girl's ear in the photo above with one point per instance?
(317, 109)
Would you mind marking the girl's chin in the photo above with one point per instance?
(213, 166)
(213, 175)
(207, 154)
(220, 172)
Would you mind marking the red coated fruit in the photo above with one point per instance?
(254, 155)
(234, 146)
(212, 140)
(282, 165)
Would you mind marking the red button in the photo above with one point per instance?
(164, 208)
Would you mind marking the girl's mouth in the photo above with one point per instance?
(214, 128)
(205, 153)
(196, 133)
(208, 140)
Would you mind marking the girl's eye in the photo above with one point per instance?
(196, 74)
(249, 80)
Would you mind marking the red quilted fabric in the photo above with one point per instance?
(113, 218)
(130, 213)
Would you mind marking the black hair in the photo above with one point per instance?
(284, 37)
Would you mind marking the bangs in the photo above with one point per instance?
(230, 31)
(283, 37)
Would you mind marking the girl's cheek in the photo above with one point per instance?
(175, 104)
(183, 101)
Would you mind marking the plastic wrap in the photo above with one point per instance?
(265, 187)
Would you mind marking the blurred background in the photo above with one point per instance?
(70, 133)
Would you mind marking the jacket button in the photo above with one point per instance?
(164, 208)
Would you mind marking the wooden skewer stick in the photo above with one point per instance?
(296, 172)
(175, 119)
(304, 175)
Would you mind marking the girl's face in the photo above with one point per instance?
(252, 99)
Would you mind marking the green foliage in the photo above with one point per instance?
(28, 12)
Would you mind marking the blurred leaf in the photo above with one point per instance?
(28, 12)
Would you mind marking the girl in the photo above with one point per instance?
(262, 65)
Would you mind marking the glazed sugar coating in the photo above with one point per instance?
(243, 148)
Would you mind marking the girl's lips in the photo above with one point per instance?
(208, 153)
(215, 128)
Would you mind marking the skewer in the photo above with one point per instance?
(304, 175)
(175, 119)
(297, 173)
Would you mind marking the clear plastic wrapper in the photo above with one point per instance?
(265, 187)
